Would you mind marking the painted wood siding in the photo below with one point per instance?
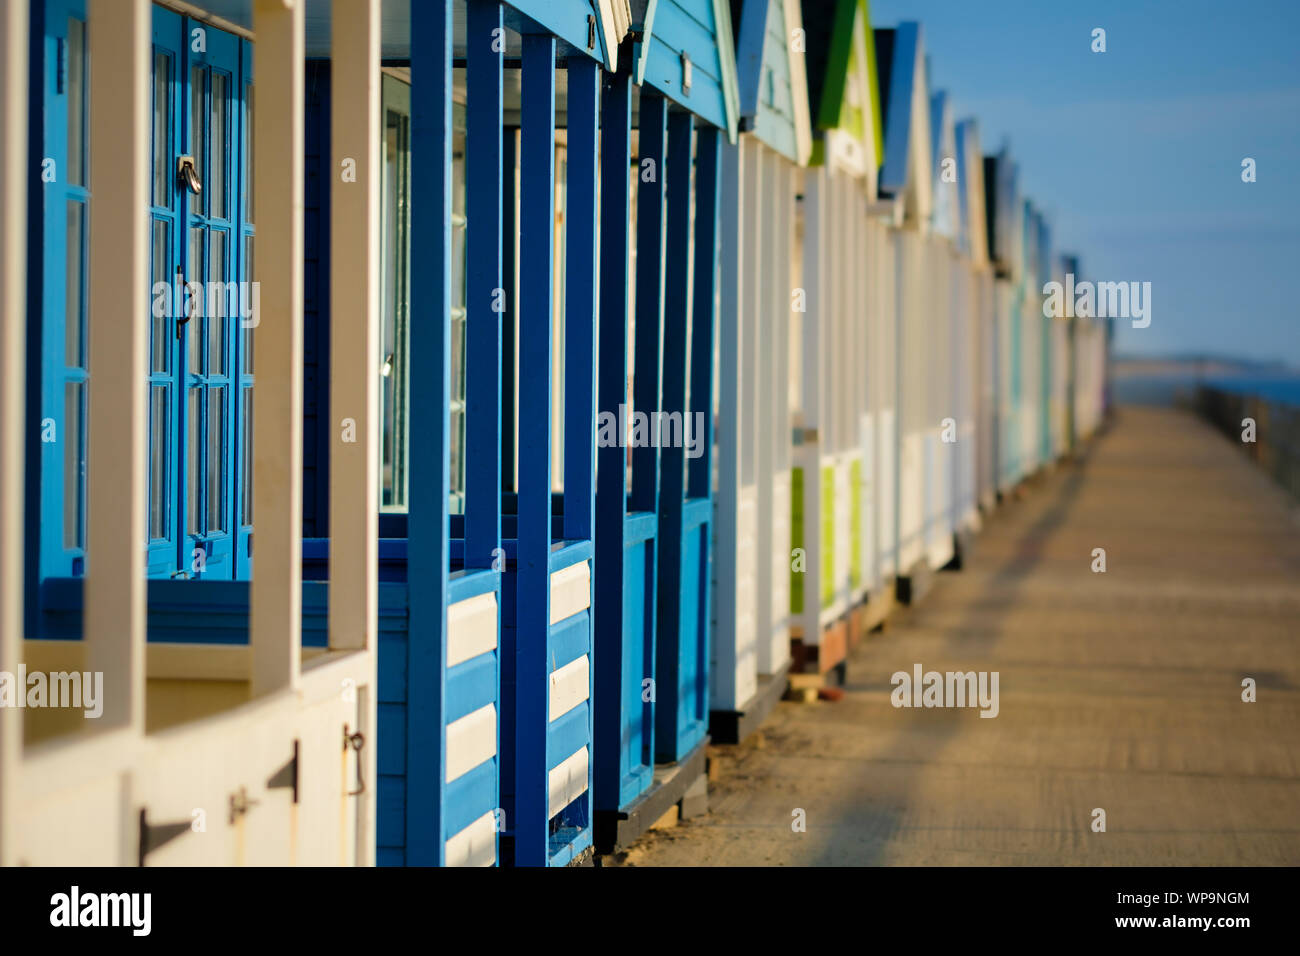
(693, 28)
(763, 66)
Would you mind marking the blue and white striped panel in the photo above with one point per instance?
(471, 740)
(476, 845)
(570, 591)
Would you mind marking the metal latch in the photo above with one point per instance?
(187, 171)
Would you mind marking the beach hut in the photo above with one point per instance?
(948, 317)
(238, 720)
(830, 490)
(484, 722)
(1006, 234)
(1030, 358)
(906, 175)
(760, 262)
(974, 243)
(655, 496)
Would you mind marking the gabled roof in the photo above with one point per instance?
(615, 19)
(973, 234)
(946, 218)
(772, 79)
(687, 52)
(906, 170)
(1003, 212)
(1046, 263)
(1029, 247)
(572, 20)
(842, 87)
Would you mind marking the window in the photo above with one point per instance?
(200, 244)
(395, 298)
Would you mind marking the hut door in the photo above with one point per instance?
(202, 304)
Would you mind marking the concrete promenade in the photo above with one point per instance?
(1119, 690)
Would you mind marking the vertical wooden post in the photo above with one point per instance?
(536, 274)
(580, 257)
(354, 350)
(815, 334)
(611, 475)
(430, 397)
(732, 415)
(275, 615)
(120, 63)
(675, 321)
(13, 319)
(703, 311)
(650, 240)
(485, 298)
(354, 325)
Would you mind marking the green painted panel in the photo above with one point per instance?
(796, 539)
(855, 522)
(828, 535)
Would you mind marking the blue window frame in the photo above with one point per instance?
(199, 390)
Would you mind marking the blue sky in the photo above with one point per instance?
(1135, 154)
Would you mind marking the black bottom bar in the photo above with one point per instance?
(914, 585)
(617, 829)
(733, 726)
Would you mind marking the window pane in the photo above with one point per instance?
(193, 439)
(161, 129)
(248, 148)
(74, 355)
(216, 182)
(246, 300)
(457, 423)
(76, 103)
(216, 486)
(394, 310)
(247, 516)
(218, 302)
(161, 345)
(198, 114)
(158, 461)
(195, 305)
(74, 464)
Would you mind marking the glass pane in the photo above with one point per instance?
(395, 309)
(74, 464)
(197, 130)
(158, 461)
(216, 181)
(75, 278)
(194, 305)
(161, 345)
(76, 102)
(161, 129)
(218, 302)
(248, 148)
(193, 439)
(457, 423)
(246, 301)
(247, 485)
(216, 486)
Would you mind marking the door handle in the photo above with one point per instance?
(187, 172)
(185, 316)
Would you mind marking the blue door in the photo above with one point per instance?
(202, 306)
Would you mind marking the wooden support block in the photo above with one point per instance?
(695, 801)
(667, 821)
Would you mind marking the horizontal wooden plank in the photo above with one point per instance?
(570, 686)
(476, 845)
(570, 591)
(568, 781)
(471, 740)
(471, 628)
